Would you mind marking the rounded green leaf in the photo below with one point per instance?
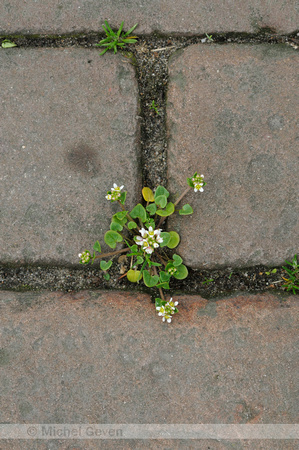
(106, 276)
(161, 201)
(166, 238)
(161, 191)
(112, 237)
(115, 226)
(151, 208)
(186, 210)
(150, 280)
(133, 275)
(167, 211)
(177, 260)
(121, 215)
(174, 239)
(181, 273)
(97, 247)
(139, 212)
(105, 265)
(132, 225)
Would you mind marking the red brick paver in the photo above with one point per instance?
(68, 132)
(232, 115)
(188, 16)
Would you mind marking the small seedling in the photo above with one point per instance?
(208, 281)
(8, 44)
(292, 283)
(230, 275)
(118, 39)
(271, 272)
(154, 107)
(146, 242)
(209, 37)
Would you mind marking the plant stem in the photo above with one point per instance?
(183, 195)
(160, 289)
(104, 255)
(128, 215)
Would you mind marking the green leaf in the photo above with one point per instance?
(112, 237)
(164, 276)
(139, 260)
(123, 197)
(150, 280)
(132, 225)
(166, 238)
(148, 194)
(105, 265)
(161, 191)
(181, 273)
(8, 44)
(190, 182)
(161, 201)
(115, 226)
(164, 285)
(177, 260)
(121, 215)
(186, 210)
(106, 276)
(130, 30)
(174, 239)
(151, 208)
(139, 212)
(159, 302)
(134, 275)
(167, 211)
(97, 247)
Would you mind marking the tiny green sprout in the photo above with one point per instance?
(208, 281)
(209, 37)
(292, 283)
(8, 44)
(116, 39)
(271, 272)
(149, 248)
(154, 107)
(230, 275)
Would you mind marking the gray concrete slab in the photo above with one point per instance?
(187, 17)
(232, 115)
(69, 130)
(99, 357)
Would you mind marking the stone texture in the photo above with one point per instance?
(68, 132)
(95, 357)
(188, 16)
(232, 115)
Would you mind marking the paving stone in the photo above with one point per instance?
(68, 132)
(106, 357)
(61, 16)
(232, 116)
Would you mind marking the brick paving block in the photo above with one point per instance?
(187, 17)
(106, 357)
(232, 115)
(68, 132)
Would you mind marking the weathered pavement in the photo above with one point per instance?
(70, 127)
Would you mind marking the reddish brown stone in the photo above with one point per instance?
(56, 16)
(232, 114)
(68, 132)
(98, 357)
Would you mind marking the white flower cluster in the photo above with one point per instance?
(167, 310)
(198, 183)
(115, 193)
(85, 256)
(150, 239)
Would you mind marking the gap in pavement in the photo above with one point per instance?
(150, 57)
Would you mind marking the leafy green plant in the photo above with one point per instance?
(8, 44)
(154, 107)
(292, 283)
(209, 37)
(116, 39)
(147, 245)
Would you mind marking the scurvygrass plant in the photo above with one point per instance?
(142, 231)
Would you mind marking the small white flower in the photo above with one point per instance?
(168, 320)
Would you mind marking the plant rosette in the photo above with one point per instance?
(145, 241)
